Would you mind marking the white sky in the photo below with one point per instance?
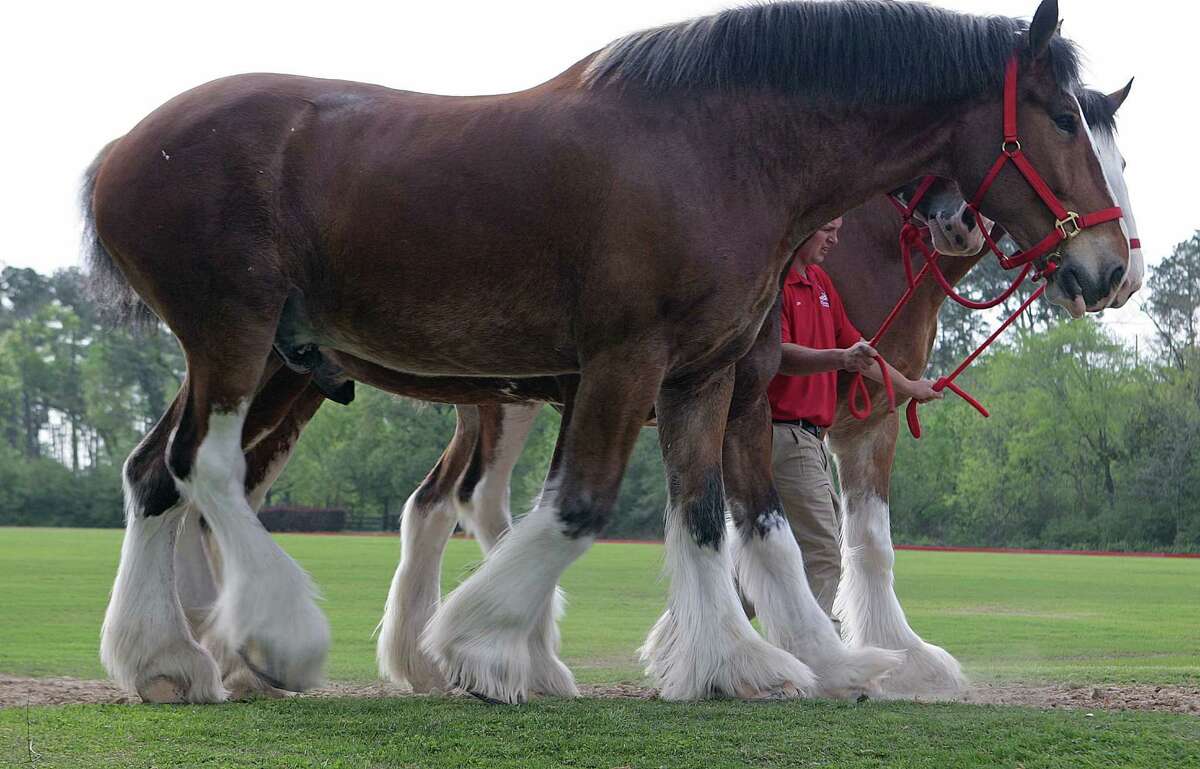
(74, 78)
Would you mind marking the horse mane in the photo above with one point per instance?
(1099, 114)
(853, 52)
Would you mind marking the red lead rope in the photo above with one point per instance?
(913, 235)
(1068, 224)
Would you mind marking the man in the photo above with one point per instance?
(818, 341)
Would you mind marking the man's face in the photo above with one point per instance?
(817, 247)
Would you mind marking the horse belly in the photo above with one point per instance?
(437, 326)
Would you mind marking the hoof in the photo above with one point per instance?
(928, 673)
(245, 685)
(292, 670)
(162, 691)
(736, 662)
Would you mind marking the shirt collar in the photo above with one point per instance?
(795, 278)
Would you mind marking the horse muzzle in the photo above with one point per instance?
(955, 232)
(1079, 289)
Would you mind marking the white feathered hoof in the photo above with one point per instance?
(480, 648)
(239, 680)
(550, 677)
(245, 685)
(729, 661)
(857, 673)
(292, 667)
(928, 673)
(421, 673)
(283, 640)
(498, 662)
(162, 691)
(495, 668)
(178, 671)
(194, 678)
(401, 659)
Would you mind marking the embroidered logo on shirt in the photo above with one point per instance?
(824, 300)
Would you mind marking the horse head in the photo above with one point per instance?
(1045, 182)
(1099, 113)
(942, 208)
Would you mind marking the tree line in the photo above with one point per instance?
(1093, 442)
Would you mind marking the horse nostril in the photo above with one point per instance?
(1115, 277)
(1068, 281)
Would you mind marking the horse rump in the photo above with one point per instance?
(118, 302)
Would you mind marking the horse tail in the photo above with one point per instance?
(106, 283)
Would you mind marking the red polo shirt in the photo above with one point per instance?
(812, 316)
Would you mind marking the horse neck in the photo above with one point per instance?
(817, 164)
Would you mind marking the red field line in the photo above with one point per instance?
(1024, 551)
(928, 548)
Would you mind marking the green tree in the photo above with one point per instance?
(1174, 303)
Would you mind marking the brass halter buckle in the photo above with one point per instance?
(1069, 227)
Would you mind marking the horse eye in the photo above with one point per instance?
(1066, 123)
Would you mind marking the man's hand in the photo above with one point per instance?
(921, 390)
(860, 357)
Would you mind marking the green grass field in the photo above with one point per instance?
(1006, 617)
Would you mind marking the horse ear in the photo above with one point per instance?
(1117, 98)
(1043, 28)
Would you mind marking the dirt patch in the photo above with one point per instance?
(19, 692)
(1166, 699)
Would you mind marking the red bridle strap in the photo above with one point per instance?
(1067, 224)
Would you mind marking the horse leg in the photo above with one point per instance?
(145, 643)
(276, 419)
(265, 610)
(704, 645)
(866, 599)
(483, 490)
(769, 567)
(483, 509)
(425, 527)
(489, 635)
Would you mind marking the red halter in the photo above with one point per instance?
(1068, 224)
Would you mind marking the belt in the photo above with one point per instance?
(816, 431)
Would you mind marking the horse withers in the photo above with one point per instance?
(626, 231)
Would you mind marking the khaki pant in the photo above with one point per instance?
(801, 467)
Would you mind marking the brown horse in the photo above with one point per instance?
(630, 220)
(470, 483)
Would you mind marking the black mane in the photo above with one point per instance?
(851, 52)
(1097, 111)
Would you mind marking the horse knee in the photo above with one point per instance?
(583, 516)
